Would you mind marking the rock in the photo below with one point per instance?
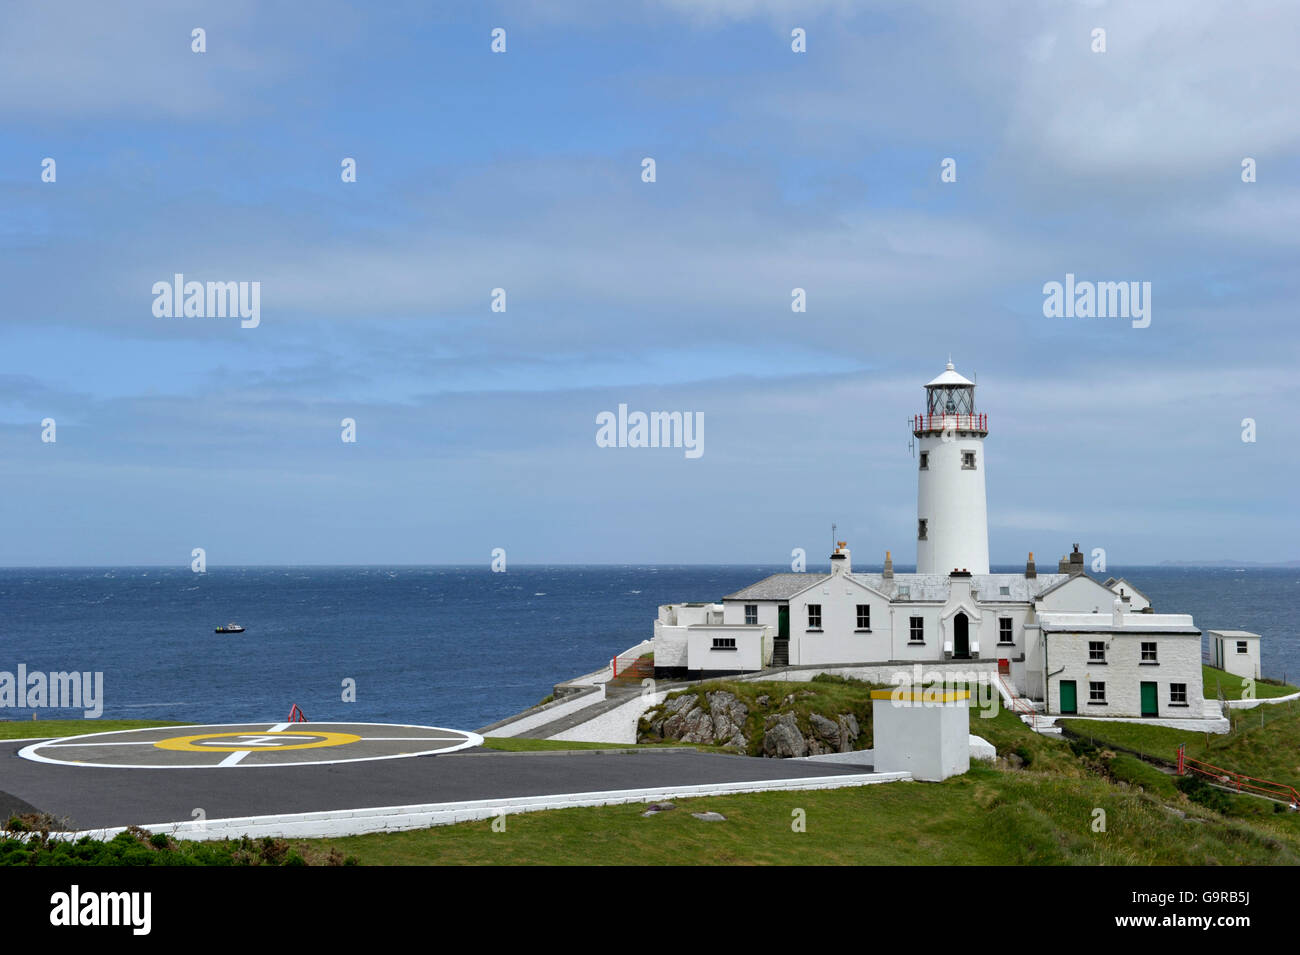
(764, 700)
(825, 729)
(697, 727)
(788, 700)
(782, 739)
(729, 715)
(849, 732)
(1014, 761)
(709, 816)
(657, 807)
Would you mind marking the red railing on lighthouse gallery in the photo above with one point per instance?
(950, 422)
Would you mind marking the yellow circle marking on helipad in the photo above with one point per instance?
(254, 741)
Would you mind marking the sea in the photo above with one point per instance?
(443, 646)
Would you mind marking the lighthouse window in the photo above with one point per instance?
(751, 614)
(920, 529)
(925, 460)
(814, 616)
(864, 616)
(968, 460)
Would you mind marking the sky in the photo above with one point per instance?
(522, 170)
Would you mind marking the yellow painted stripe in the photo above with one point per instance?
(921, 696)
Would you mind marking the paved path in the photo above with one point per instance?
(91, 797)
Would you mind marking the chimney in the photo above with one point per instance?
(1031, 570)
(889, 567)
(1072, 565)
(840, 560)
(1117, 614)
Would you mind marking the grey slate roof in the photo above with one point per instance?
(777, 587)
(984, 587)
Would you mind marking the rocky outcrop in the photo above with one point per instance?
(719, 720)
(782, 738)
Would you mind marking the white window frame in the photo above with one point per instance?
(814, 616)
(751, 615)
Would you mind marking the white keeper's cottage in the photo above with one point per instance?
(1063, 639)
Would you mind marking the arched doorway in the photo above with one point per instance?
(960, 636)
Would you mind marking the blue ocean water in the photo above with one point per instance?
(448, 646)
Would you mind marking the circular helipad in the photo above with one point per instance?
(249, 744)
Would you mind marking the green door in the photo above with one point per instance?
(1069, 700)
(783, 623)
(1149, 707)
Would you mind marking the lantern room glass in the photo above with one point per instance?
(950, 399)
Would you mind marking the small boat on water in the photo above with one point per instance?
(230, 628)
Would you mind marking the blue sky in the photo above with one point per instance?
(522, 171)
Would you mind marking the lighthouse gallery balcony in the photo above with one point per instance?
(936, 423)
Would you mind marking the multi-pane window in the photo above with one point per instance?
(1004, 630)
(1096, 692)
(968, 460)
(918, 629)
(1149, 652)
(724, 643)
(925, 460)
(751, 614)
(1096, 651)
(1177, 692)
(814, 616)
(920, 529)
(864, 616)
(1241, 646)
(904, 592)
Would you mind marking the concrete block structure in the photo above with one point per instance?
(925, 732)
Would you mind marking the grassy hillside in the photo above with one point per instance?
(1212, 681)
(1264, 742)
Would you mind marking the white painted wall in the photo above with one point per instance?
(748, 655)
(839, 640)
(951, 499)
(930, 742)
(1179, 661)
(617, 725)
(1079, 594)
(1224, 652)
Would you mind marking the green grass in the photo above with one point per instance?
(1269, 751)
(1213, 680)
(987, 817)
(40, 729)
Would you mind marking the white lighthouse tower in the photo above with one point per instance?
(952, 531)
